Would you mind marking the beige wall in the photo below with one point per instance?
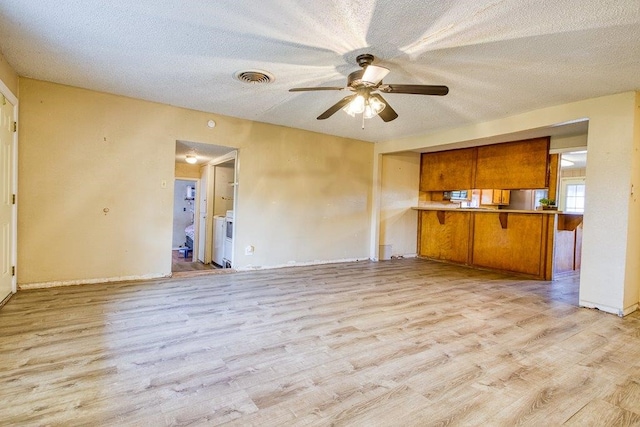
(185, 170)
(399, 192)
(302, 197)
(8, 76)
(610, 275)
(223, 190)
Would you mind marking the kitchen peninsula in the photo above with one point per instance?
(519, 241)
(537, 243)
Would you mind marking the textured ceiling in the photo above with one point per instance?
(498, 57)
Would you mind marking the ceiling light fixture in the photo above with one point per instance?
(365, 104)
(566, 163)
(357, 106)
(191, 159)
(373, 108)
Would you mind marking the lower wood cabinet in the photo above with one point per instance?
(506, 241)
(444, 235)
(514, 242)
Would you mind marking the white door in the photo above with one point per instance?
(205, 228)
(202, 202)
(6, 194)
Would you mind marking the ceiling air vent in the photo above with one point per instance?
(254, 77)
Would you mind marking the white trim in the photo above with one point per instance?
(232, 155)
(567, 149)
(612, 310)
(4, 89)
(54, 284)
(300, 264)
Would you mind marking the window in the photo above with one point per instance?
(455, 195)
(574, 201)
(459, 195)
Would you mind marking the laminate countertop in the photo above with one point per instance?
(489, 210)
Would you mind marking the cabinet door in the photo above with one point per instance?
(444, 235)
(447, 170)
(513, 165)
(486, 196)
(494, 197)
(505, 196)
(518, 246)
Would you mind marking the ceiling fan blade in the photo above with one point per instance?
(307, 89)
(388, 113)
(415, 89)
(374, 74)
(335, 107)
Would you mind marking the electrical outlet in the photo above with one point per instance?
(249, 250)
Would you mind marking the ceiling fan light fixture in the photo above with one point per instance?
(357, 106)
(366, 83)
(373, 108)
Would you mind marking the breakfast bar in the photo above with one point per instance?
(538, 244)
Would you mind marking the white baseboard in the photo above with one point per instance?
(617, 311)
(298, 264)
(57, 283)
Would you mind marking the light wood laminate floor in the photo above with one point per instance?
(180, 264)
(403, 342)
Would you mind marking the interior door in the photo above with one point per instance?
(205, 228)
(6, 202)
(204, 212)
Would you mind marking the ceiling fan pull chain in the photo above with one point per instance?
(362, 121)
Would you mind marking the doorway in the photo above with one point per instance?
(571, 202)
(204, 190)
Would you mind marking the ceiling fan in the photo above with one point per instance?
(365, 84)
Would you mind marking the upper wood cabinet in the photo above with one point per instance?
(495, 197)
(447, 170)
(513, 165)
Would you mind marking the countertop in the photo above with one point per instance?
(489, 210)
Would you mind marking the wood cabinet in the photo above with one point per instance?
(511, 242)
(495, 197)
(444, 235)
(447, 170)
(513, 165)
(507, 166)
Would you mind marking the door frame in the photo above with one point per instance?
(196, 210)
(4, 90)
(232, 155)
